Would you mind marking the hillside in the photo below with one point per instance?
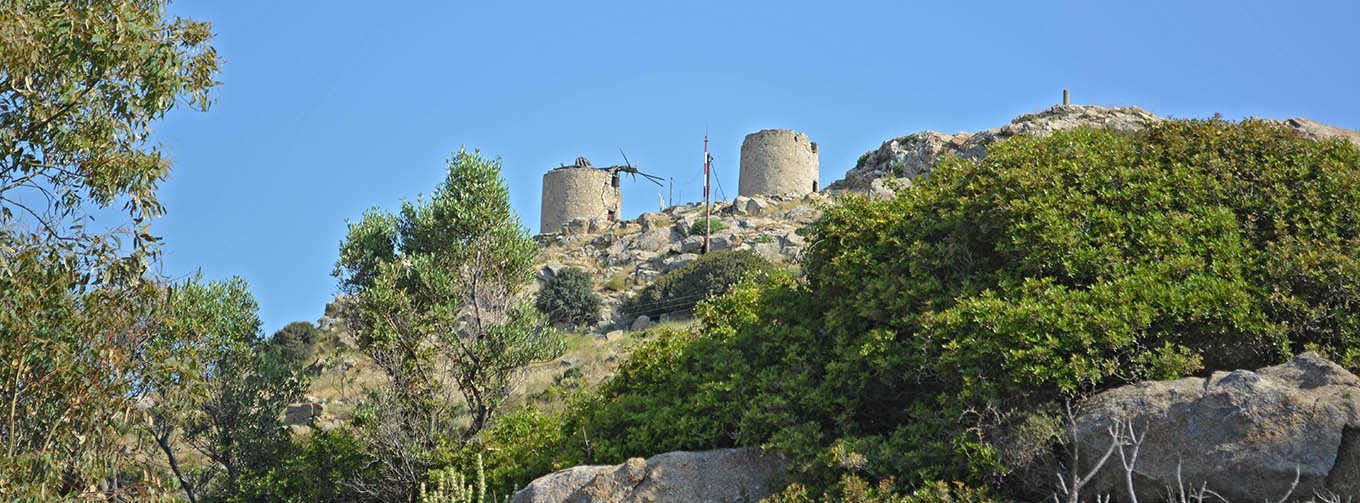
(624, 256)
(980, 274)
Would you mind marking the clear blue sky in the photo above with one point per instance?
(328, 108)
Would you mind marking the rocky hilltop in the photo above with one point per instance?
(914, 155)
(624, 256)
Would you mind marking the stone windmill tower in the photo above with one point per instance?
(778, 161)
(583, 191)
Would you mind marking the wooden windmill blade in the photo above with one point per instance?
(629, 168)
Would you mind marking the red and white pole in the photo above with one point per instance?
(708, 211)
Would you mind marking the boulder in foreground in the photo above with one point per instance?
(1242, 434)
(718, 476)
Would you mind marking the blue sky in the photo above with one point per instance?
(328, 108)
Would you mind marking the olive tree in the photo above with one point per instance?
(220, 389)
(440, 309)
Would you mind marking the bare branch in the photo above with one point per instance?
(1297, 473)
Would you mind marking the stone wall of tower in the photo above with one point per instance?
(778, 161)
(575, 192)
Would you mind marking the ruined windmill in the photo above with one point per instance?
(581, 190)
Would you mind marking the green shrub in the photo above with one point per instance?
(697, 228)
(315, 469)
(527, 443)
(853, 489)
(569, 297)
(296, 342)
(618, 282)
(931, 326)
(683, 287)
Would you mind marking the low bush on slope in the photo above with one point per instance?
(569, 297)
(680, 289)
(933, 329)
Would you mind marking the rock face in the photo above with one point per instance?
(719, 476)
(916, 154)
(1318, 131)
(1241, 433)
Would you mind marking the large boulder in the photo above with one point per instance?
(1242, 434)
(719, 476)
(656, 240)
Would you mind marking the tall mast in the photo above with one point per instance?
(708, 210)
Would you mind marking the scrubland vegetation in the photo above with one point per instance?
(922, 354)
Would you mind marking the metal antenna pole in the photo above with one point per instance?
(708, 210)
(672, 193)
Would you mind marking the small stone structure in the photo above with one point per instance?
(578, 191)
(778, 161)
(302, 413)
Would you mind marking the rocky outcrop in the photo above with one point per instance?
(1242, 434)
(1318, 131)
(915, 155)
(624, 256)
(718, 476)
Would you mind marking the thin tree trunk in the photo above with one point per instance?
(164, 442)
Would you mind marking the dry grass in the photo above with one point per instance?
(593, 356)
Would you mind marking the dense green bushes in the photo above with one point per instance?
(680, 289)
(297, 342)
(930, 326)
(569, 297)
(933, 336)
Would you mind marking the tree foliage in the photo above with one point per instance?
(221, 390)
(569, 297)
(80, 85)
(297, 342)
(439, 308)
(931, 328)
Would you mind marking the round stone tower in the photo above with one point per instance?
(778, 161)
(578, 192)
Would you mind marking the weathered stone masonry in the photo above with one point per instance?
(778, 161)
(578, 192)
